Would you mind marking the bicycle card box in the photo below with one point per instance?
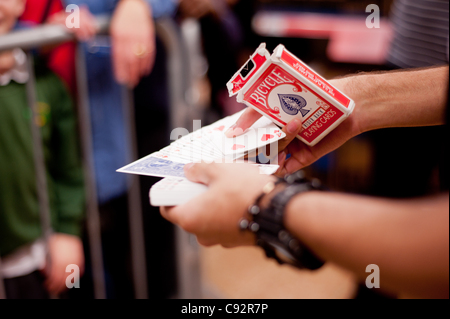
(280, 86)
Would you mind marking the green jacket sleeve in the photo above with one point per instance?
(65, 166)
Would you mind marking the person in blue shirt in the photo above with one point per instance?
(121, 59)
(124, 59)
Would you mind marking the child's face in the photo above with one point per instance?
(10, 11)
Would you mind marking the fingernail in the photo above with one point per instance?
(294, 126)
(230, 131)
(188, 166)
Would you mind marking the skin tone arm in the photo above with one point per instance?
(87, 29)
(133, 41)
(133, 38)
(407, 239)
(64, 250)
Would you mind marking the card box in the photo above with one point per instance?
(280, 86)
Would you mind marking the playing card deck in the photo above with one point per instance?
(280, 87)
(174, 191)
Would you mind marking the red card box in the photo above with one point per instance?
(280, 86)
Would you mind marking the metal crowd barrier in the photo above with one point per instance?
(179, 83)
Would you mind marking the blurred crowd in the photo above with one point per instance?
(133, 58)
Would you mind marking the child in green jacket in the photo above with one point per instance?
(22, 249)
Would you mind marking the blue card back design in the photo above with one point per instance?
(157, 167)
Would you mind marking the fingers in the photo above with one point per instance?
(133, 42)
(118, 61)
(56, 281)
(146, 63)
(292, 129)
(201, 173)
(247, 119)
(134, 75)
(190, 215)
(88, 25)
(166, 212)
(64, 250)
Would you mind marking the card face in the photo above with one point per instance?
(205, 145)
(266, 169)
(155, 166)
(260, 134)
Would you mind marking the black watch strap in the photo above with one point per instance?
(268, 224)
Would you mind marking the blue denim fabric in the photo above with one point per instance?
(163, 7)
(109, 133)
(105, 98)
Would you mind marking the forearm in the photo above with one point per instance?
(408, 240)
(147, 5)
(399, 98)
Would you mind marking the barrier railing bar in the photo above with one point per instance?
(2, 284)
(39, 160)
(187, 254)
(44, 35)
(137, 240)
(51, 35)
(92, 213)
(187, 261)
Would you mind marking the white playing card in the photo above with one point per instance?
(174, 192)
(199, 146)
(260, 134)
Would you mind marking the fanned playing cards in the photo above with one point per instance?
(280, 87)
(207, 144)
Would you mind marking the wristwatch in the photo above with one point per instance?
(268, 226)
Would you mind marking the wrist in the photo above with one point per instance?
(269, 223)
(299, 216)
(360, 88)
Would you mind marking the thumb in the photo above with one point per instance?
(292, 129)
(247, 119)
(201, 173)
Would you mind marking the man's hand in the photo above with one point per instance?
(64, 250)
(7, 62)
(214, 216)
(302, 155)
(87, 29)
(133, 41)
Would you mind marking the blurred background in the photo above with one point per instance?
(130, 251)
